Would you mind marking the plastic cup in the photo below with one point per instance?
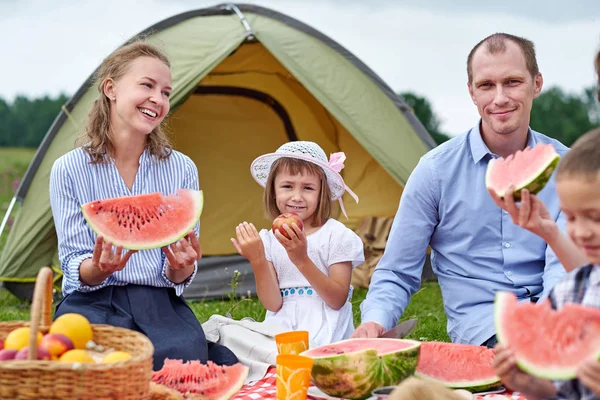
(293, 376)
(293, 342)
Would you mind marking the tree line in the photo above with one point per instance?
(564, 116)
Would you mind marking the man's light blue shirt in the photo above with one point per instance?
(476, 248)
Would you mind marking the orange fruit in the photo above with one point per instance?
(116, 356)
(80, 356)
(76, 327)
(19, 338)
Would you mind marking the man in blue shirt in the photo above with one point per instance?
(476, 248)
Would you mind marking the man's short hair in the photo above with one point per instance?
(583, 160)
(496, 43)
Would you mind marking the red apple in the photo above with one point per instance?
(42, 354)
(56, 344)
(7, 354)
(287, 218)
(1, 344)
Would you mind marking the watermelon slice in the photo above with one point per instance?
(146, 221)
(353, 368)
(547, 343)
(526, 169)
(215, 382)
(458, 366)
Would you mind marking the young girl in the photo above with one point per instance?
(303, 282)
(127, 153)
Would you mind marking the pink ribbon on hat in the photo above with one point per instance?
(336, 162)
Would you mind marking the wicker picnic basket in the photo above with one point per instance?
(33, 379)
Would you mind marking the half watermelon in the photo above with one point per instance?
(145, 221)
(353, 368)
(526, 169)
(547, 343)
(458, 366)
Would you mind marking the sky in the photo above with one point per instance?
(49, 47)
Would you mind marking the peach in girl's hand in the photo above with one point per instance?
(287, 218)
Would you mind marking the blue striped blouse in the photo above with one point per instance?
(74, 182)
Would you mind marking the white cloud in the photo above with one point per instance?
(49, 47)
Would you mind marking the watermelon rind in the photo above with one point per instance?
(482, 385)
(236, 386)
(541, 371)
(534, 184)
(197, 197)
(354, 375)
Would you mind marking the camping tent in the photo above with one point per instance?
(246, 79)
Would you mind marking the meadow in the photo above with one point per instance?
(426, 304)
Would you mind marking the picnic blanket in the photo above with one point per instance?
(252, 342)
(265, 388)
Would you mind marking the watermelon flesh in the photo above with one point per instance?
(527, 169)
(146, 221)
(458, 366)
(353, 368)
(547, 343)
(215, 382)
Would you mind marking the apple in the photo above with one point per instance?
(7, 354)
(287, 218)
(1, 344)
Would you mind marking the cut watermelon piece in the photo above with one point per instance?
(527, 169)
(547, 343)
(215, 382)
(147, 221)
(458, 366)
(353, 368)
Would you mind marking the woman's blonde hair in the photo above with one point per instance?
(295, 167)
(97, 139)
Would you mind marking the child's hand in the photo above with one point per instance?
(107, 261)
(588, 374)
(506, 368)
(248, 243)
(296, 246)
(532, 214)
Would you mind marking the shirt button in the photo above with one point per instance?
(507, 245)
(509, 273)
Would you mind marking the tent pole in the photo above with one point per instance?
(5, 219)
(232, 7)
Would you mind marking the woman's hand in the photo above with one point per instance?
(106, 260)
(588, 374)
(248, 243)
(183, 253)
(296, 247)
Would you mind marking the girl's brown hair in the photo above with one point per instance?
(98, 143)
(295, 167)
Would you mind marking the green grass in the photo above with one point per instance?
(425, 305)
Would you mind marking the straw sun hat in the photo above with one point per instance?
(311, 152)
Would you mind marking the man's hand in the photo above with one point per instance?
(368, 330)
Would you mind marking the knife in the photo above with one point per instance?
(401, 330)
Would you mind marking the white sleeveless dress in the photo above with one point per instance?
(303, 308)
